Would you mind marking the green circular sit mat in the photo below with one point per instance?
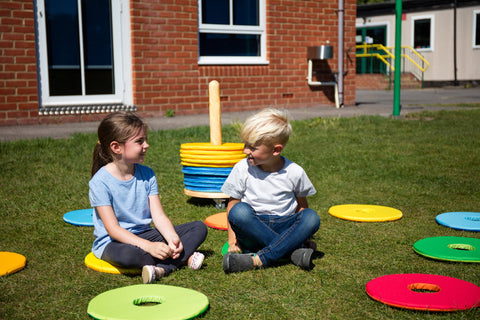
(461, 249)
(148, 301)
(225, 248)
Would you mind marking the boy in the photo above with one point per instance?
(268, 214)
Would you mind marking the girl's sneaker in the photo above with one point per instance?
(196, 261)
(151, 273)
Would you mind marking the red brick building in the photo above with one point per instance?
(69, 61)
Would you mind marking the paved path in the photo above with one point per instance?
(368, 102)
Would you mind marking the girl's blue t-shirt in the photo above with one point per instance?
(129, 200)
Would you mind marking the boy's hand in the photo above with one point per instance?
(234, 248)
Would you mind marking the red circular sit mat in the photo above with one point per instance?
(424, 292)
(217, 221)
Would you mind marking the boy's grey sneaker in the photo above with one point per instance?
(302, 257)
(237, 262)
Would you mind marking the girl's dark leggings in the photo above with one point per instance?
(127, 256)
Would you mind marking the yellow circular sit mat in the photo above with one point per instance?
(219, 162)
(209, 146)
(365, 212)
(208, 164)
(203, 157)
(211, 152)
(103, 266)
(11, 262)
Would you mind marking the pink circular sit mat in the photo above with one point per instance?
(424, 292)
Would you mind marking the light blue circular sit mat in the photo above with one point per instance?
(83, 217)
(467, 221)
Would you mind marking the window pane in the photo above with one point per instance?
(218, 44)
(97, 43)
(63, 47)
(245, 12)
(215, 11)
(422, 34)
(477, 29)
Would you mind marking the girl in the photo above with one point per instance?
(125, 196)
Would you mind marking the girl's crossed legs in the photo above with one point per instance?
(191, 234)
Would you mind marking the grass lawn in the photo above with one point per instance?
(423, 165)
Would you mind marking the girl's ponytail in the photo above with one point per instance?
(100, 158)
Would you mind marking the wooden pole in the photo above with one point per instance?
(214, 111)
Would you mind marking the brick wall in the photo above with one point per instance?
(166, 74)
(167, 37)
(18, 76)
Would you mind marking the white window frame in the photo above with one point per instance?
(432, 34)
(122, 62)
(231, 28)
(476, 21)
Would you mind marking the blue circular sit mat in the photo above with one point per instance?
(204, 189)
(200, 182)
(468, 221)
(206, 179)
(207, 171)
(83, 217)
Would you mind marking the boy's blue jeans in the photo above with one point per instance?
(271, 237)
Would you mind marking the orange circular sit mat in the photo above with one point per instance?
(11, 262)
(217, 221)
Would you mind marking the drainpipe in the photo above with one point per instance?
(455, 80)
(340, 51)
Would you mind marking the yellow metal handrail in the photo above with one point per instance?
(411, 60)
(366, 48)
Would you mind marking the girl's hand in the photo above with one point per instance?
(176, 246)
(160, 250)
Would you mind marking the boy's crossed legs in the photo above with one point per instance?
(270, 237)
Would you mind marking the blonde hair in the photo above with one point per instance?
(118, 126)
(268, 127)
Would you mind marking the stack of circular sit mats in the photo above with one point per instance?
(207, 166)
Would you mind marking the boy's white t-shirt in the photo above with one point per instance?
(269, 193)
